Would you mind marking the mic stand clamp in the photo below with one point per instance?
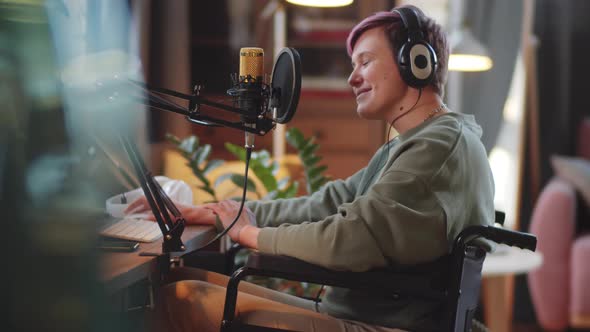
(194, 107)
(172, 241)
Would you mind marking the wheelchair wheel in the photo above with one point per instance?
(477, 326)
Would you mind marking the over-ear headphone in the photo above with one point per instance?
(416, 59)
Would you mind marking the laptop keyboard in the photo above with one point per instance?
(133, 229)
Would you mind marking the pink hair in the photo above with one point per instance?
(392, 24)
(379, 19)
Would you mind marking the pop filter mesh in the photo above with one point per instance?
(286, 78)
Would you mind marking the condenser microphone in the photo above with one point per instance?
(250, 88)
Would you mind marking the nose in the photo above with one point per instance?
(354, 79)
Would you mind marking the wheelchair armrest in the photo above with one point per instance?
(512, 238)
(498, 235)
(409, 280)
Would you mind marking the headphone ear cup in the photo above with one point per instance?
(403, 63)
(417, 63)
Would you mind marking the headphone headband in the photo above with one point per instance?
(416, 59)
(411, 23)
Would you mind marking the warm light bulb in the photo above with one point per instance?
(321, 3)
(467, 62)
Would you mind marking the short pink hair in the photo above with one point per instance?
(392, 24)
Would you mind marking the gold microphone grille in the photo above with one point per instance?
(251, 62)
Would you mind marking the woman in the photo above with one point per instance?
(413, 198)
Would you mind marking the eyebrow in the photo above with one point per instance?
(360, 55)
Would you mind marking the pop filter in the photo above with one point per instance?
(285, 84)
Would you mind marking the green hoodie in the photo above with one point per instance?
(406, 207)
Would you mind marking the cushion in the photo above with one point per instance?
(553, 222)
(580, 292)
(576, 171)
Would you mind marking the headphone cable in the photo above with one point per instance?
(319, 293)
(409, 110)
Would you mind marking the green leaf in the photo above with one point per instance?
(311, 160)
(172, 139)
(318, 182)
(274, 168)
(192, 163)
(212, 165)
(283, 182)
(291, 191)
(238, 180)
(314, 171)
(272, 195)
(238, 151)
(263, 157)
(294, 137)
(189, 144)
(213, 201)
(196, 156)
(205, 152)
(264, 174)
(306, 142)
(309, 150)
(317, 177)
(195, 142)
(203, 179)
(220, 179)
(208, 190)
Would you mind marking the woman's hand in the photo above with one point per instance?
(194, 215)
(244, 230)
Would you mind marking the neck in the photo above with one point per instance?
(411, 111)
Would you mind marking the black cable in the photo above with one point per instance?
(411, 108)
(317, 297)
(218, 236)
(389, 132)
(391, 124)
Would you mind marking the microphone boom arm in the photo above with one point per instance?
(262, 127)
(158, 200)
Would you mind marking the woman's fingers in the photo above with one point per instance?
(228, 211)
(137, 205)
(150, 216)
(202, 214)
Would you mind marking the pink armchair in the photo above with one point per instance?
(560, 288)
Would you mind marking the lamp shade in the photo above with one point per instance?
(321, 3)
(467, 53)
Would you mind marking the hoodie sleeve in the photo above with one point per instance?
(398, 221)
(323, 203)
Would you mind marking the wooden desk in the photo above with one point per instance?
(121, 269)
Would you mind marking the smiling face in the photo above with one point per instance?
(375, 79)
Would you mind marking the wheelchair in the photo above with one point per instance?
(453, 279)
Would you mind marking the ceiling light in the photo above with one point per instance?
(321, 3)
(467, 53)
